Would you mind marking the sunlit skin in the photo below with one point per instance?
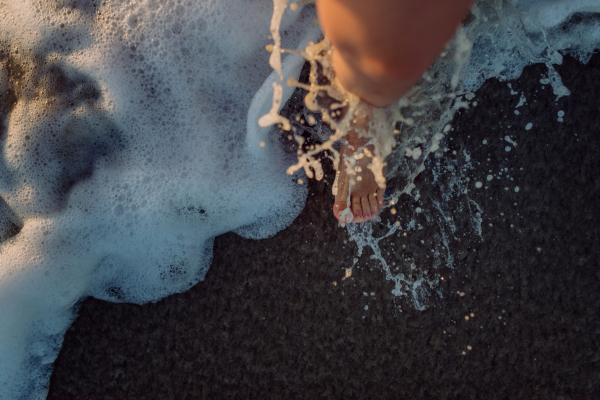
(366, 197)
(382, 48)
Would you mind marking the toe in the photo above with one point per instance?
(373, 204)
(366, 207)
(339, 209)
(341, 197)
(357, 210)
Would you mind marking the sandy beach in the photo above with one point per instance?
(275, 320)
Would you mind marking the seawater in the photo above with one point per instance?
(130, 139)
(497, 40)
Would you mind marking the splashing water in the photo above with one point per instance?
(120, 127)
(498, 40)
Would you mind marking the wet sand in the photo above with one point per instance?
(274, 319)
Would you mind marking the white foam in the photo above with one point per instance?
(124, 156)
(551, 13)
(153, 106)
(509, 140)
(512, 35)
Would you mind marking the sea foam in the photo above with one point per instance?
(130, 140)
(125, 151)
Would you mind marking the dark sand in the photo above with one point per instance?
(269, 323)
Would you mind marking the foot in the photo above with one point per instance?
(358, 197)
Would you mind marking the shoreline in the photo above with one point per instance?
(269, 322)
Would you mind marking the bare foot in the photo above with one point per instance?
(358, 197)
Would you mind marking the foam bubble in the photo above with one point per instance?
(122, 157)
(122, 130)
